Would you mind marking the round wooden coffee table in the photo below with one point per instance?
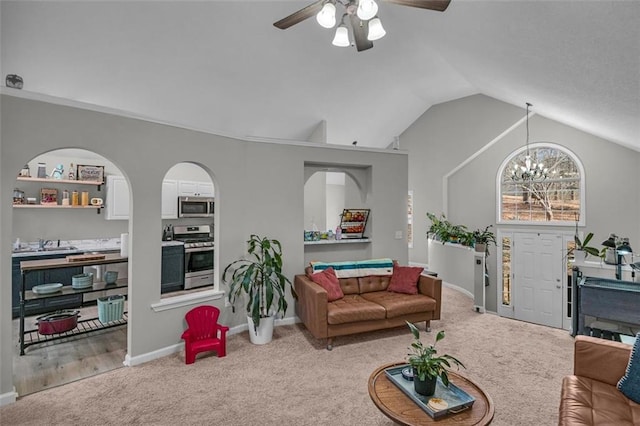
(401, 409)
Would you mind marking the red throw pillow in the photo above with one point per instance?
(327, 279)
(405, 279)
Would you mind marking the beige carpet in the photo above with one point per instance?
(294, 380)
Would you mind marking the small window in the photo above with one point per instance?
(554, 196)
(506, 271)
(410, 219)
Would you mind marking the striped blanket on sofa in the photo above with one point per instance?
(358, 268)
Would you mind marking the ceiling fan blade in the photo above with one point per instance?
(438, 5)
(360, 31)
(300, 15)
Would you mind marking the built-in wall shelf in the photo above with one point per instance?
(55, 206)
(342, 241)
(57, 181)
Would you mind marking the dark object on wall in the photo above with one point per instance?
(14, 80)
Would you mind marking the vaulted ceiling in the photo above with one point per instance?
(222, 66)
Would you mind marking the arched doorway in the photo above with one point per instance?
(48, 226)
(189, 257)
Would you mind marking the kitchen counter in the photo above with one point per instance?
(35, 265)
(78, 247)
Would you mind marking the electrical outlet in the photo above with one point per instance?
(398, 235)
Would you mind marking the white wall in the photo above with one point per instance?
(259, 189)
(315, 201)
(188, 171)
(449, 133)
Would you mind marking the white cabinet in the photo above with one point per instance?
(187, 188)
(117, 203)
(169, 199)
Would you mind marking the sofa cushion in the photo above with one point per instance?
(327, 279)
(398, 304)
(353, 308)
(585, 401)
(629, 384)
(373, 283)
(349, 285)
(405, 279)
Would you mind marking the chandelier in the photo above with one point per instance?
(530, 170)
(365, 10)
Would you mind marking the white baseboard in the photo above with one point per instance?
(460, 289)
(8, 398)
(130, 361)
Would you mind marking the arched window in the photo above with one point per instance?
(554, 195)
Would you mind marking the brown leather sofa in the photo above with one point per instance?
(366, 305)
(590, 396)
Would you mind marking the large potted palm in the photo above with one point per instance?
(259, 279)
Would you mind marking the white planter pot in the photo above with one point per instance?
(264, 333)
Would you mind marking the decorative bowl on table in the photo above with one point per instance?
(82, 280)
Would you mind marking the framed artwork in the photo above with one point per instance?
(90, 173)
(49, 196)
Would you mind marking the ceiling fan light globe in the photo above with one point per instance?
(376, 31)
(327, 16)
(341, 39)
(367, 9)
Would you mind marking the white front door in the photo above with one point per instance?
(537, 278)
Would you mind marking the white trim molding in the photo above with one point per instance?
(8, 398)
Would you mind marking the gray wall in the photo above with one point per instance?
(315, 202)
(259, 189)
(449, 133)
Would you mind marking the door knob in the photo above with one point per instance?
(558, 286)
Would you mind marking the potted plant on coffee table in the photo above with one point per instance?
(259, 277)
(427, 365)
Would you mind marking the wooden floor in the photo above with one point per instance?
(55, 363)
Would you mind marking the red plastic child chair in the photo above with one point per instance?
(204, 333)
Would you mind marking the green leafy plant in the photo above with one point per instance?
(484, 236)
(443, 230)
(583, 245)
(425, 360)
(440, 228)
(260, 277)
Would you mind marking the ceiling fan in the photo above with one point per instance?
(365, 24)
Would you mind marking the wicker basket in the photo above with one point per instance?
(110, 308)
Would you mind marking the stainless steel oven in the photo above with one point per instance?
(198, 254)
(195, 206)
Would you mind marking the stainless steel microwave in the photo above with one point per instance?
(195, 206)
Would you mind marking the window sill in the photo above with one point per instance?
(186, 300)
(343, 241)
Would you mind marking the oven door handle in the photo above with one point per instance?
(196, 249)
